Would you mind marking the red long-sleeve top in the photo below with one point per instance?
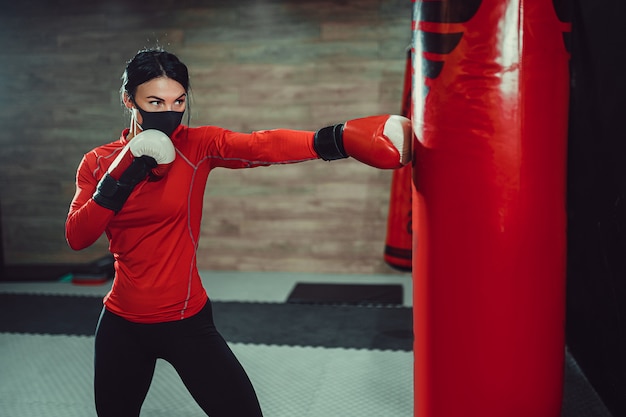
(154, 237)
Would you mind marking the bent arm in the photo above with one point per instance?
(86, 220)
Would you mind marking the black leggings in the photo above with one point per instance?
(126, 355)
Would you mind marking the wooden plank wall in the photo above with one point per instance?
(254, 65)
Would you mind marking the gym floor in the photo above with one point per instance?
(46, 359)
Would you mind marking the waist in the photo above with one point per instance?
(155, 307)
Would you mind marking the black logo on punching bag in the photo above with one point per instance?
(441, 43)
(458, 11)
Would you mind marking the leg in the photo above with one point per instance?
(210, 370)
(123, 370)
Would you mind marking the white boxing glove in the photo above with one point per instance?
(150, 152)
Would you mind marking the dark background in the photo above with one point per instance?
(596, 316)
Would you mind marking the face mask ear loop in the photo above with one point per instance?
(137, 109)
(134, 109)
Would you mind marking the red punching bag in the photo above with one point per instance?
(399, 240)
(490, 107)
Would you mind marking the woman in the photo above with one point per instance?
(145, 191)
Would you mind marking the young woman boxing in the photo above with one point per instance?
(145, 191)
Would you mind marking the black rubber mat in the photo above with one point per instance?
(384, 328)
(42, 273)
(100, 269)
(352, 294)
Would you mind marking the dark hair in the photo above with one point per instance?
(152, 63)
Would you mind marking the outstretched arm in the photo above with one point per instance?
(380, 141)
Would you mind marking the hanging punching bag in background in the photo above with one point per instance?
(490, 106)
(399, 241)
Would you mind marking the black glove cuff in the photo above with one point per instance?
(328, 143)
(111, 194)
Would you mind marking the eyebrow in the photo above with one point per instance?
(160, 99)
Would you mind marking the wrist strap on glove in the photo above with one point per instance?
(328, 143)
(112, 193)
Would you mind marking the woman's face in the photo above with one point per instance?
(158, 94)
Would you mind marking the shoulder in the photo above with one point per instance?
(197, 133)
(99, 158)
(106, 151)
(197, 137)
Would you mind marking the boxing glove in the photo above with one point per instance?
(149, 153)
(379, 141)
(157, 145)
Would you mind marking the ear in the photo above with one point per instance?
(127, 101)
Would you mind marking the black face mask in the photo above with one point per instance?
(165, 121)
